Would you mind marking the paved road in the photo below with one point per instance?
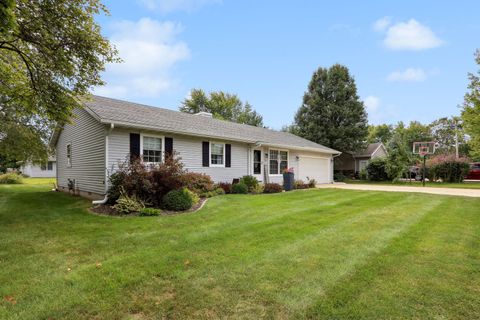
(442, 191)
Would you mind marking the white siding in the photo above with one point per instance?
(35, 171)
(188, 148)
(87, 138)
(380, 153)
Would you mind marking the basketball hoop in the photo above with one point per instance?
(423, 149)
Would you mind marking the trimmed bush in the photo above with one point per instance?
(377, 169)
(197, 182)
(180, 200)
(339, 176)
(299, 184)
(250, 181)
(240, 188)
(312, 183)
(11, 178)
(115, 187)
(128, 204)
(258, 189)
(272, 188)
(447, 168)
(148, 212)
(209, 194)
(226, 186)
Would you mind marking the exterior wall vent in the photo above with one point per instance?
(204, 114)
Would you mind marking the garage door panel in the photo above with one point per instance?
(314, 168)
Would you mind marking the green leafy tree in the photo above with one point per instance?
(221, 105)
(471, 111)
(445, 131)
(399, 153)
(51, 54)
(380, 133)
(332, 113)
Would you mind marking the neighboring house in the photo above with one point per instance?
(44, 170)
(108, 132)
(351, 163)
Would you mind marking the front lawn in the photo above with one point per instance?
(319, 254)
(413, 183)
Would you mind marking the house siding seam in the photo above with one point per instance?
(87, 137)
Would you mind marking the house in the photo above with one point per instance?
(107, 132)
(43, 170)
(354, 162)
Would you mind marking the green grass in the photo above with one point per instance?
(463, 185)
(319, 254)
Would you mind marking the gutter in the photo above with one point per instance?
(105, 199)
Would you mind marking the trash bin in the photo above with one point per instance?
(288, 181)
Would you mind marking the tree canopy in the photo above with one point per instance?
(51, 53)
(221, 105)
(332, 113)
(471, 111)
(380, 133)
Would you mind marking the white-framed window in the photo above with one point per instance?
(217, 154)
(152, 149)
(47, 166)
(362, 165)
(257, 161)
(69, 155)
(278, 161)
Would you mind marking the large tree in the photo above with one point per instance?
(447, 132)
(51, 53)
(471, 111)
(221, 105)
(379, 133)
(332, 113)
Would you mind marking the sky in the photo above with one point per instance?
(410, 59)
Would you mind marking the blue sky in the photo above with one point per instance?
(410, 59)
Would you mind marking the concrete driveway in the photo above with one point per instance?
(442, 191)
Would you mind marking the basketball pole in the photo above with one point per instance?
(424, 168)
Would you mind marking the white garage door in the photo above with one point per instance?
(314, 168)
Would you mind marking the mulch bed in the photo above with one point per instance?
(107, 210)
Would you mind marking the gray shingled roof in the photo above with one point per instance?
(369, 150)
(119, 112)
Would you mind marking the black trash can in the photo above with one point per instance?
(288, 181)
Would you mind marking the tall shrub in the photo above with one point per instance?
(448, 168)
(377, 169)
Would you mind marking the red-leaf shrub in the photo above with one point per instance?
(448, 168)
(226, 186)
(272, 188)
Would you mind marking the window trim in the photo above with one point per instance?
(210, 154)
(278, 159)
(69, 157)
(253, 162)
(162, 151)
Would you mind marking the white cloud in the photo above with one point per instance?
(149, 49)
(410, 74)
(167, 6)
(382, 24)
(410, 35)
(372, 103)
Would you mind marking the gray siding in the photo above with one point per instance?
(381, 153)
(188, 148)
(87, 138)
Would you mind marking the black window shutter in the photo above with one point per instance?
(134, 146)
(168, 147)
(228, 155)
(206, 153)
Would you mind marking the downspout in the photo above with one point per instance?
(333, 167)
(105, 199)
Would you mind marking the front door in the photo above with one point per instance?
(257, 164)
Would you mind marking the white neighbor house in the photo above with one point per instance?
(44, 170)
(108, 131)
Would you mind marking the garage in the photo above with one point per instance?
(314, 168)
